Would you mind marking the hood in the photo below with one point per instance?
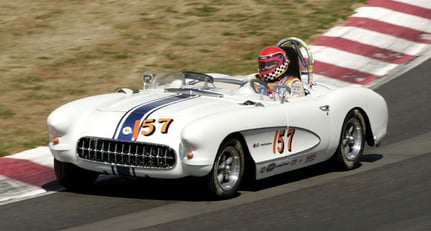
(147, 116)
(127, 102)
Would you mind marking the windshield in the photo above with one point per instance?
(212, 84)
(195, 80)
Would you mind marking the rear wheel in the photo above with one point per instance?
(72, 177)
(352, 141)
(228, 170)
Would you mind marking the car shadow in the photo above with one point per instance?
(289, 177)
(185, 189)
(371, 158)
(304, 173)
(194, 189)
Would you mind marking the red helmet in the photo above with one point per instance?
(273, 63)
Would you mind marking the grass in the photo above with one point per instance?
(58, 51)
(6, 113)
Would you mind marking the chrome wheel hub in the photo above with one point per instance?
(228, 168)
(352, 139)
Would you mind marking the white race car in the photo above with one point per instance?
(214, 126)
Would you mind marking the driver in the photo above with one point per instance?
(273, 63)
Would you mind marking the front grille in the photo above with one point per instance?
(126, 153)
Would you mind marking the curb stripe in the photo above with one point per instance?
(363, 49)
(352, 61)
(36, 155)
(323, 80)
(344, 74)
(26, 171)
(377, 39)
(419, 3)
(388, 28)
(394, 17)
(402, 7)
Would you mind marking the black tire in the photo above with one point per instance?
(228, 170)
(74, 178)
(352, 141)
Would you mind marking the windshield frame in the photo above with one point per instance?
(196, 83)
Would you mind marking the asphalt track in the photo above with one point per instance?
(390, 191)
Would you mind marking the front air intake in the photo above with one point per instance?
(126, 153)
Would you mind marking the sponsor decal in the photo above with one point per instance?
(283, 164)
(270, 167)
(127, 131)
(310, 158)
(296, 88)
(257, 145)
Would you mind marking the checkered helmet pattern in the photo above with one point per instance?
(273, 63)
(279, 71)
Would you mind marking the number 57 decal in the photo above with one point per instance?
(149, 126)
(280, 140)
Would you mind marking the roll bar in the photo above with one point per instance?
(306, 59)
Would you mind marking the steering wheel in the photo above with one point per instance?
(257, 85)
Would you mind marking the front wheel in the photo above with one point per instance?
(352, 141)
(228, 170)
(72, 177)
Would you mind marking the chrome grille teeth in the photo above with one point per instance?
(126, 153)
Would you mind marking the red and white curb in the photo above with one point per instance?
(26, 174)
(379, 41)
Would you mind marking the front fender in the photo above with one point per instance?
(343, 100)
(204, 136)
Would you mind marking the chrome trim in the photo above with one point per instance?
(193, 91)
(126, 153)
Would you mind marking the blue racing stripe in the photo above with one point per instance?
(139, 112)
(123, 171)
(126, 114)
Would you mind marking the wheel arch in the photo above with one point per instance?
(226, 177)
(370, 104)
(369, 137)
(249, 168)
